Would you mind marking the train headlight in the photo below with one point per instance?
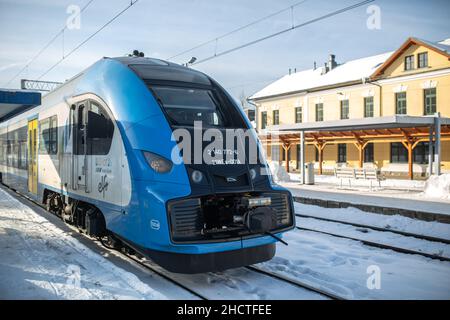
(157, 163)
(197, 176)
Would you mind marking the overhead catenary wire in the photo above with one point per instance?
(132, 2)
(291, 7)
(53, 39)
(326, 16)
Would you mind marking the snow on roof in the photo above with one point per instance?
(301, 81)
(441, 45)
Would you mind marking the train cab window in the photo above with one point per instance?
(183, 106)
(100, 130)
(48, 136)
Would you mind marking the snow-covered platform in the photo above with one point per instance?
(42, 258)
(405, 198)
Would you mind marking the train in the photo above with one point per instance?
(100, 152)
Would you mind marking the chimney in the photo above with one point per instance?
(332, 62)
(325, 68)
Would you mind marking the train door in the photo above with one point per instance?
(32, 156)
(79, 163)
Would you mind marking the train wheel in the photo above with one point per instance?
(53, 203)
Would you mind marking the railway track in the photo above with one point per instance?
(378, 245)
(148, 265)
(124, 255)
(358, 225)
(295, 282)
(145, 264)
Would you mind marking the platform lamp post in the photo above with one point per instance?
(437, 143)
(430, 151)
(302, 156)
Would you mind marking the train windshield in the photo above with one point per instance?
(183, 106)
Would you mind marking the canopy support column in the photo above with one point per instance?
(286, 147)
(410, 145)
(320, 146)
(360, 145)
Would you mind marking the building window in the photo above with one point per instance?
(319, 112)
(344, 109)
(368, 107)
(342, 153)
(422, 61)
(420, 153)
(429, 101)
(298, 115)
(316, 154)
(276, 117)
(251, 114)
(368, 153)
(400, 103)
(275, 154)
(48, 140)
(263, 119)
(409, 63)
(399, 154)
(299, 150)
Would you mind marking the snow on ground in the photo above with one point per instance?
(385, 197)
(279, 173)
(381, 237)
(342, 266)
(394, 222)
(388, 183)
(438, 186)
(243, 284)
(40, 261)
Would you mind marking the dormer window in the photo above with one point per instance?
(422, 61)
(409, 63)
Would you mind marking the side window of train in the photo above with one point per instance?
(100, 130)
(80, 129)
(48, 136)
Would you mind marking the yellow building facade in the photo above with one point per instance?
(414, 80)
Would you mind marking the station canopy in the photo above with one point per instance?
(409, 130)
(13, 102)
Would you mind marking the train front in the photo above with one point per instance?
(209, 203)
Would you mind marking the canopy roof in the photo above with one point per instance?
(386, 122)
(13, 102)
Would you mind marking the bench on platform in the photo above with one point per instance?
(370, 174)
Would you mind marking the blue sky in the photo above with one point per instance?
(164, 28)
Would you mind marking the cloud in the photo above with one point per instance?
(10, 66)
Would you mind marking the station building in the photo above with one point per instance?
(379, 112)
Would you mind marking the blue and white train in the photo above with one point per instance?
(98, 152)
